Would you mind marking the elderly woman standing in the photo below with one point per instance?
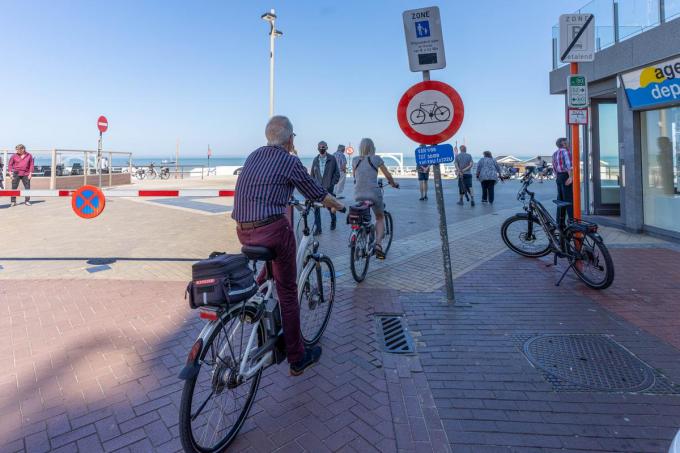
(488, 173)
(365, 170)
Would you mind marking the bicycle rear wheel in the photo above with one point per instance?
(389, 233)
(316, 294)
(525, 237)
(214, 405)
(596, 267)
(360, 256)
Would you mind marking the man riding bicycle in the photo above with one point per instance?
(264, 187)
(365, 169)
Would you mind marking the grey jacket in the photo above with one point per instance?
(331, 174)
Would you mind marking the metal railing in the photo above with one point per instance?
(55, 163)
(617, 20)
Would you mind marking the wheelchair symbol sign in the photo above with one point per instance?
(423, 29)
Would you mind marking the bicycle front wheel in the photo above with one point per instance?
(214, 403)
(594, 266)
(525, 236)
(316, 294)
(389, 233)
(359, 256)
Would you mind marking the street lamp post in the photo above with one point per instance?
(273, 34)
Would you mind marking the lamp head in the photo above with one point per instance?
(269, 17)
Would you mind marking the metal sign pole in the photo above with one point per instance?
(99, 159)
(576, 160)
(443, 229)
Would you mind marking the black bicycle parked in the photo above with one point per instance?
(535, 233)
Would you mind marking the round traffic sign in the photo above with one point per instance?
(102, 124)
(430, 112)
(349, 150)
(88, 202)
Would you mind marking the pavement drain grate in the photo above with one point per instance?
(592, 363)
(394, 334)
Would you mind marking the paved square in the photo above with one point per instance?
(91, 359)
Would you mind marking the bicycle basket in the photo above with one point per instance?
(220, 281)
(582, 226)
(359, 214)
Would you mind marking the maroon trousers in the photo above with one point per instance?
(279, 237)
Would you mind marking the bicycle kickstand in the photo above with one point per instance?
(564, 274)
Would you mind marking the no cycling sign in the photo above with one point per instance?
(430, 112)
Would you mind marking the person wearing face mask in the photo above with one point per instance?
(325, 172)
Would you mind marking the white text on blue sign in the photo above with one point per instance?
(430, 155)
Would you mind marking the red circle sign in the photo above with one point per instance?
(430, 112)
(349, 150)
(102, 124)
(88, 202)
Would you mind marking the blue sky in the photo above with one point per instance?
(198, 71)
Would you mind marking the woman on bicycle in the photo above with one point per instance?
(365, 170)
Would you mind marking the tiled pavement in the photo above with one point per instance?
(92, 360)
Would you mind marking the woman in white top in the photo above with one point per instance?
(365, 170)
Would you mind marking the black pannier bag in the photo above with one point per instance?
(220, 281)
(359, 214)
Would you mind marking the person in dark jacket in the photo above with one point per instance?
(325, 172)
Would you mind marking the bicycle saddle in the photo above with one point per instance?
(562, 204)
(257, 253)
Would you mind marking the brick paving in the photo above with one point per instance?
(92, 359)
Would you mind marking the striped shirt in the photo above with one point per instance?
(561, 161)
(266, 184)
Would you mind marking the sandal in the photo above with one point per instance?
(379, 252)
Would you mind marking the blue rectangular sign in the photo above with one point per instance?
(653, 85)
(438, 154)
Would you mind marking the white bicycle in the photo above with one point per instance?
(316, 278)
(224, 367)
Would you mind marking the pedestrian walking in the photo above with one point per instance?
(325, 173)
(20, 166)
(423, 175)
(365, 170)
(488, 173)
(561, 162)
(463, 164)
(2, 174)
(341, 160)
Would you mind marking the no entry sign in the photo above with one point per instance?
(430, 112)
(88, 202)
(102, 124)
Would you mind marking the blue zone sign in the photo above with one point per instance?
(438, 154)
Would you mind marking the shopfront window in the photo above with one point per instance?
(660, 137)
(608, 133)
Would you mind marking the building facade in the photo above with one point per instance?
(631, 146)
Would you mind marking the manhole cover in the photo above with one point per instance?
(394, 334)
(593, 362)
(100, 261)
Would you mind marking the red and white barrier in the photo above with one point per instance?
(208, 193)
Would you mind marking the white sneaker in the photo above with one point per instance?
(28, 203)
(14, 203)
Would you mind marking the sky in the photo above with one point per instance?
(198, 72)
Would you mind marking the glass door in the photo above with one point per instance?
(605, 159)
